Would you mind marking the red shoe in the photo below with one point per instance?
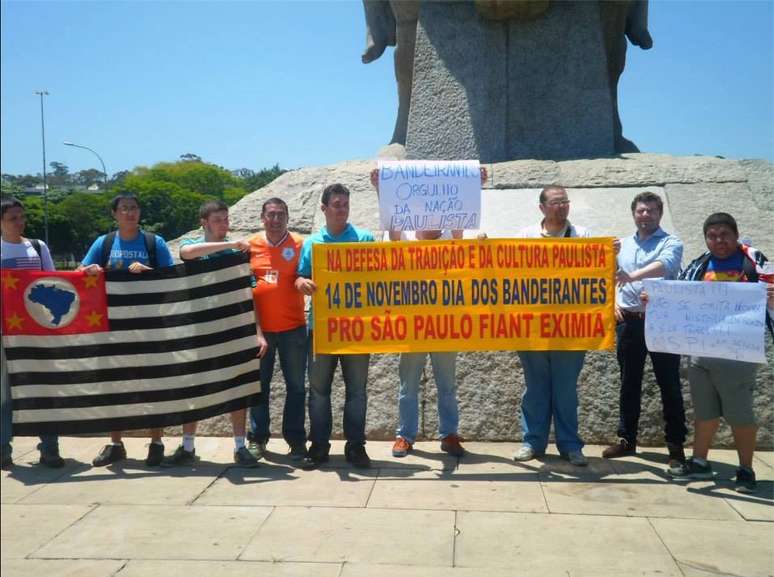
(451, 445)
(401, 447)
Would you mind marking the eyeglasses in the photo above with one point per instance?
(275, 215)
(127, 209)
(565, 202)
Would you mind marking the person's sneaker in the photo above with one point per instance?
(621, 449)
(110, 454)
(451, 444)
(297, 451)
(745, 481)
(401, 447)
(676, 455)
(691, 471)
(52, 460)
(526, 453)
(245, 458)
(357, 456)
(181, 457)
(576, 458)
(316, 455)
(258, 449)
(7, 461)
(155, 455)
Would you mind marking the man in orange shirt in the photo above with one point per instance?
(274, 257)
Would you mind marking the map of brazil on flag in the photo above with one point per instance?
(121, 351)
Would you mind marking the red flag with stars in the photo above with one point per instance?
(53, 303)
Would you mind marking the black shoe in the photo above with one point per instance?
(181, 457)
(7, 462)
(622, 448)
(356, 454)
(745, 481)
(690, 470)
(297, 451)
(676, 455)
(316, 455)
(245, 458)
(155, 455)
(110, 454)
(257, 449)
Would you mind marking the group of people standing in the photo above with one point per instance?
(282, 267)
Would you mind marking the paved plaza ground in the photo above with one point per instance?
(427, 515)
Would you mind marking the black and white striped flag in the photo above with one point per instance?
(181, 347)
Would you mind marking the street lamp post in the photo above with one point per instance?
(43, 93)
(104, 170)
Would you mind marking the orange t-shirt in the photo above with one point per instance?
(280, 306)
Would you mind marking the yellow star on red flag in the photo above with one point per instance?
(10, 281)
(94, 318)
(14, 321)
(90, 280)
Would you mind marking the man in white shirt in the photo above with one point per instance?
(18, 252)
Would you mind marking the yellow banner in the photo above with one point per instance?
(464, 295)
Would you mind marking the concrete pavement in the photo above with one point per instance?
(425, 515)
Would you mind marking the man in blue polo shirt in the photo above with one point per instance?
(354, 368)
(649, 253)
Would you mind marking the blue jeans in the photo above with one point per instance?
(49, 444)
(551, 379)
(354, 369)
(410, 370)
(291, 346)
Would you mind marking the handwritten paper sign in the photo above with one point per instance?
(429, 195)
(464, 295)
(724, 320)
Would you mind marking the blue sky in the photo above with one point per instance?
(251, 84)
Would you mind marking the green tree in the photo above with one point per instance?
(60, 174)
(10, 187)
(77, 221)
(33, 209)
(89, 176)
(170, 194)
(262, 178)
(168, 208)
(199, 177)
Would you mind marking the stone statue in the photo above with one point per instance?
(394, 23)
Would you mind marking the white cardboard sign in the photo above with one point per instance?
(429, 194)
(724, 320)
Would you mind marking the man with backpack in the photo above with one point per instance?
(132, 249)
(19, 252)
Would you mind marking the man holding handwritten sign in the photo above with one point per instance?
(429, 195)
(417, 176)
(722, 377)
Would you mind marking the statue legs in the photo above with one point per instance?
(406, 15)
(615, 18)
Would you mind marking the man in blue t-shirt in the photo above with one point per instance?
(133, 250)
(354, 368)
